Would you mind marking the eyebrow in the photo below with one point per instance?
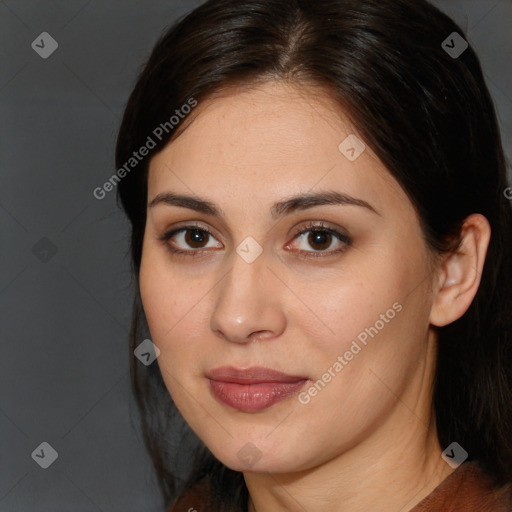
(279, 209)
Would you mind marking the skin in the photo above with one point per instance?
(367, 440)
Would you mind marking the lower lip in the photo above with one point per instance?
(253, 397)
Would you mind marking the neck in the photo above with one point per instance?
(363, 479)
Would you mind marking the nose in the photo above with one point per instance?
(248, 306)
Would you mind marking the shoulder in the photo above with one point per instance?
(467, 489)
(192, 500)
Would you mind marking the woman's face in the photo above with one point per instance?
(341, 310)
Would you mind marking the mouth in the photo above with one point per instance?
(252, 389)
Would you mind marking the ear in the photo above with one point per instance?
(460, 272)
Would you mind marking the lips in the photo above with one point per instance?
(252, 389)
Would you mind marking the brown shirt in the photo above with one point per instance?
(467, 489)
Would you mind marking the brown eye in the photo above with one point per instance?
(317, 240)
(196, 238)
(190, 240)
(320, 240)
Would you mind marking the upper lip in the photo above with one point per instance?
(253, 375)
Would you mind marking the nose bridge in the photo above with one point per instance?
(240, 291)
(242, 306)
(248, 266)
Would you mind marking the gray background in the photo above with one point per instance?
(65, 286)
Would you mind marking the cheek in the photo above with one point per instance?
(368, 316)
(168, 298)
(167, 312)
(158, 305)
(352, 301)
(379, 347)
(175, 309)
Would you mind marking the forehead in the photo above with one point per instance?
(273, 139)
(274, 116)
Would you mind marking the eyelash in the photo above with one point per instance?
(311, 227)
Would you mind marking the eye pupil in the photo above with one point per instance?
(321, 238)
(195, 236)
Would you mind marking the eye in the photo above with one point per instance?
(189, 240)
(323, 240)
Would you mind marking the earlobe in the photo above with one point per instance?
(460, 272)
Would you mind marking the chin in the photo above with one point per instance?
(257, 456)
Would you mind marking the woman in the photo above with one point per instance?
(323, 257)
